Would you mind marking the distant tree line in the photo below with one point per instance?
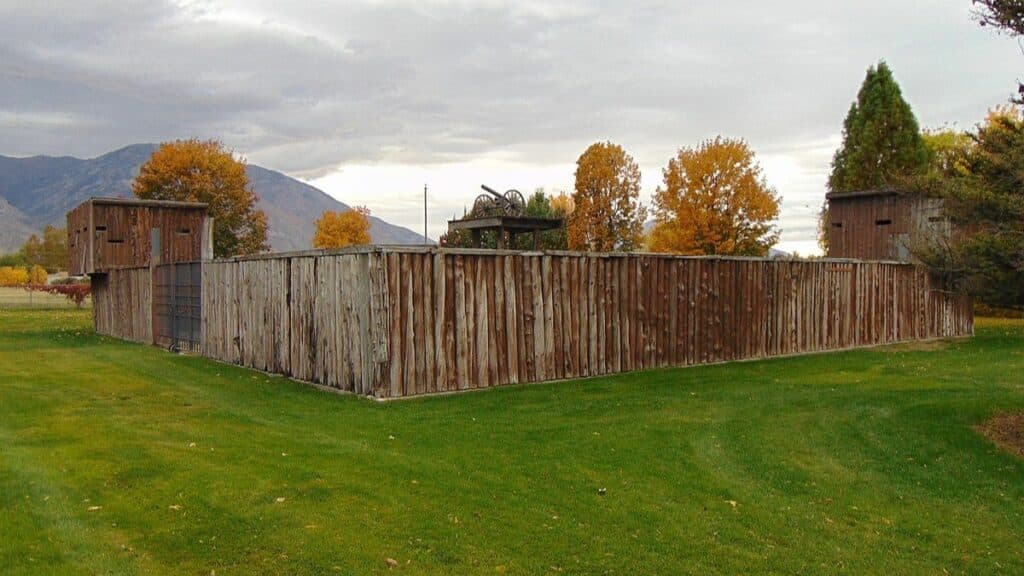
(714, 200)
(22, 276)
(49, 252)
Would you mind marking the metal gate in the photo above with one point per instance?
(177, 306)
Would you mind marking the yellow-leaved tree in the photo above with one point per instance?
(563, 204)
(37, 276)
(608, 215)
(13, 276)
(715, 200)
(204, 171)
(346, 228)
(50, 252)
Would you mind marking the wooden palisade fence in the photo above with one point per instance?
(122, 303)
(395, 322)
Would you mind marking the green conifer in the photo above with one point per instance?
(882, 142)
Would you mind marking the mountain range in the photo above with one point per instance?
(40, 190)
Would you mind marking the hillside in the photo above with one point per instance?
(40, 190)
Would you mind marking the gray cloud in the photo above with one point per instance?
(311, 88)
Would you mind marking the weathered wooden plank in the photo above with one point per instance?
(555, 274)
(411, 368)
(395, 328)
(429, 326)
(583, 310)
(500, 325)
(461, 325)
(440, 323)
(451, 379)
(549, 317)
(524, 318)
(486, 284)
(539, 338)
(512, 324)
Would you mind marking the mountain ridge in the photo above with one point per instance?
(39, 190)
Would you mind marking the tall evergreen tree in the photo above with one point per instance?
(882, 143)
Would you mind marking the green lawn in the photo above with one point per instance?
(118, 458)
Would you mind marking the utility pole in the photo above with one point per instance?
(426, 239)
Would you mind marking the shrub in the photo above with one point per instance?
(76, 293)
(37, 275)
(13, 276)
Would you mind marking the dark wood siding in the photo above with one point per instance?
(79, 245)
(108, 234)
(880, 226)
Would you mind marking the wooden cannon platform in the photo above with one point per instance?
(513, 225)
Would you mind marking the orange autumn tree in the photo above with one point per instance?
(204, 171)
(346, 228)
(608, 215)
(715, 200)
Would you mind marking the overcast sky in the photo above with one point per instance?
(370, 100)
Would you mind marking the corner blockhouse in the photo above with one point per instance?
(109, 233)
(881, 224)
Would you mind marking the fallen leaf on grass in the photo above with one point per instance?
(175, 507)
(391, 562)
(93, 508)
(279, 499)
(733, 503)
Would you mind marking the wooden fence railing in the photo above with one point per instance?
(402, 322)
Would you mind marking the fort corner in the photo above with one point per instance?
(110, 233)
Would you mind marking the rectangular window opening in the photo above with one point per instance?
(114, 241)
(936, 218)
(184, 231)
(884, 222)
(837, 224)
(101, 228)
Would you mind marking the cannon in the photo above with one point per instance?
(511, 203)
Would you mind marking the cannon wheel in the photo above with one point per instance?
(514, 200)
(484, 205)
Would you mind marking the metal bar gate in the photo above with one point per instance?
(177, 306)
